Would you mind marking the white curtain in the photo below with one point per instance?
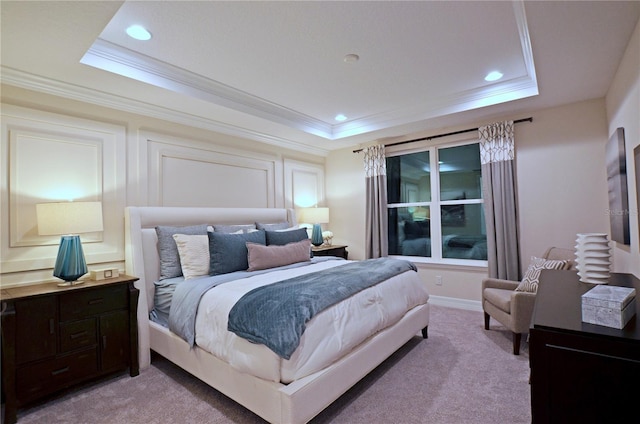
(375, 167)
(497, 152)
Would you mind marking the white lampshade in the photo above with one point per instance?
(315, 215)
(69, 218)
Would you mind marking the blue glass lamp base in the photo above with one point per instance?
(70, 264)
(316, 235)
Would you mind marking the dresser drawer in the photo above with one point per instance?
(49, 376)
(77, 334)
(87, 303)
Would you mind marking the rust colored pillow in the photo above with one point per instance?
(263, 257)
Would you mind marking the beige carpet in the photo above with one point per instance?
(461, 374)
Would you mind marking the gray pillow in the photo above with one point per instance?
(168, 251)
(229, 251)
(233, 228)
(163, 294)
(281, 238)
(272, 227)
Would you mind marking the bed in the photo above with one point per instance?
(278, 393)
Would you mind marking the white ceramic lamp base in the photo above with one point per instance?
(593, 258)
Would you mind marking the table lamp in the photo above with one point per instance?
(316, 216)
(69, 219)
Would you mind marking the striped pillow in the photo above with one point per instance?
(530, 280)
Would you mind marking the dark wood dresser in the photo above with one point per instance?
(581, 372)
(54, 337)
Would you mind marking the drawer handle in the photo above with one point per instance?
(78, 335)
(60, 371)
(96, 301)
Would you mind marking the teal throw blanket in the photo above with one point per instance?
(276, 315)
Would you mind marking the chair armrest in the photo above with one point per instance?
(522, 304)
(496, 283)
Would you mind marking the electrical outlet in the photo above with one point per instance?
(438, 280)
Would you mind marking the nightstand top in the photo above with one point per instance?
(327, 247)
(50, 287)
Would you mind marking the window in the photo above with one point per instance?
(435, 207)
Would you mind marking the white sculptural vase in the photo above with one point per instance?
(593, 258)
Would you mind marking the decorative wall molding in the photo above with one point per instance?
(304, 184)
(34, 152)
(189, 172)
(51, 157)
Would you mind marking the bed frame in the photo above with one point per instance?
(296, 402)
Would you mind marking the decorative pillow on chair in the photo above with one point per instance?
(194, 254)
(531, 278)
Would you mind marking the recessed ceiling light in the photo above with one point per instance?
(351, 58)
(340, 117)
(138, 32)
(493, 76)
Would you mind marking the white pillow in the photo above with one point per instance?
(194, 254)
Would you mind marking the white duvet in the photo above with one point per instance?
(328, 336)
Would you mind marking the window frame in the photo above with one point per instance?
(435, 203)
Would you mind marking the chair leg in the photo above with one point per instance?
(516, 343)
(486, 321)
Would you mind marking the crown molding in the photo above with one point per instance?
(496, 93)
(113, 58)
(122, 61)
(45, 85)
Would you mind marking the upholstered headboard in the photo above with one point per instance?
(141, 251)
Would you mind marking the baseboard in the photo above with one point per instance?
(452, 302)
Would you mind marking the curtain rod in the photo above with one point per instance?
(431, 137)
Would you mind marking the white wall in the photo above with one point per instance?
(346, 199)
(561, 191)
(623, 110)
(54, 149)
(562, 183)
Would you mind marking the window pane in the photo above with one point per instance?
(410, 231)
(408, 179)
(463, 232)
(460, 175)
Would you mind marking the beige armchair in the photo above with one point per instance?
(512, 308)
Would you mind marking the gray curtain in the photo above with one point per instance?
(498, 180)
(375, 167)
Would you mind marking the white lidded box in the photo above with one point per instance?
(610, 306)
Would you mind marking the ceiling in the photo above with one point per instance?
(275, 71)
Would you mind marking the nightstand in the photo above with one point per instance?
(330, 250)
(55, 337)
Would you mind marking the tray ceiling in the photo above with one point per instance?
(276, 71)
